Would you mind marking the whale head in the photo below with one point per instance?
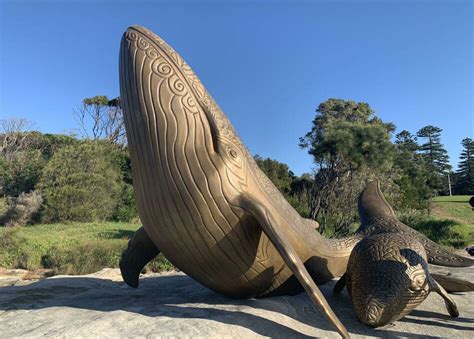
(175, 130)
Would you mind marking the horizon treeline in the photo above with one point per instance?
(55, 177)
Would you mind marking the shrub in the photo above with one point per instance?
(3, 208)
(159, 264)
(81, 183)
(23, 209)
(20, 172)
(126, 209)
(11, 252)
(85, 258)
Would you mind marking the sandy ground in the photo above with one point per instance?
(174, 305)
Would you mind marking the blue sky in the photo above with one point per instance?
(267, 63)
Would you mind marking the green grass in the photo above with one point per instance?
(450, 222)
(81, 248)
(453, 198)
(69, 248)
(455, 207)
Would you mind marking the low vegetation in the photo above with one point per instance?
(69, 248)
(67, 201)
(454, 207)
(450, 222)
(81, 248)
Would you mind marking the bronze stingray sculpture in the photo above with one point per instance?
(203, 201)
(387, 274)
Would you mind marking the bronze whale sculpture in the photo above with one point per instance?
(202, 199)
(387, 274)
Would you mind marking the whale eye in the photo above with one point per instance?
(233, 153)
(417, 277)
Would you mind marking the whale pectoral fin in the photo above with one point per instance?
(140, 251)
(274, 232)
(452, 284)
(450, 304)
(341, 283)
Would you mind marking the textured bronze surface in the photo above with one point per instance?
(387, 274)
(201, 197)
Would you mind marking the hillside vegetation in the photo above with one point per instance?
(69, 248)
(81, 248)
(67, 201)
(450, 221)
(454, 207)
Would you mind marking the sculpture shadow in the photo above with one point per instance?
(178, 296)
(436, 319)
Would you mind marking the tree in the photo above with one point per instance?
(14, 136)
(407, 143)
(80, 183)
(277, 172)
(20, 163)
(295, 189)
(347, 135)
(101, 118)
(435, 157)
(413, 173)
(350, 145)
(464, 177)
(126, 209)
(23, 155)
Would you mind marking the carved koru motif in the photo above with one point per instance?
(387, 274)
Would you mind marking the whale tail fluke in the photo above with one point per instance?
(372, 204)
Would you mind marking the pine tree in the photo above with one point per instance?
(435, 157)
(413, 172)
(465, 173)
(407, 143)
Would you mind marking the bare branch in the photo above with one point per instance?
(100, 118)
(13, 135)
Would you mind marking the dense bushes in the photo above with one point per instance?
(48, 177)
(21, 210)
(80, 183)
(20, 172)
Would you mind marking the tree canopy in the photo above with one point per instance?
(347, 135)
(464, 178)
(350, 145)
(435, 157)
